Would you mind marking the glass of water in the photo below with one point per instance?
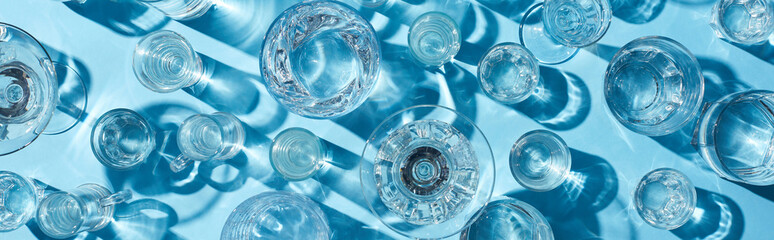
(508, 73)
(19, 197)
(426, 172)
(122, 139)
(734, 137)
(540, 160)
(89, 207)
(654, 86)
(665, 198)
(434, 39)
(202, 137)
(164, 62)
(507, 218)
(181, 9)
(277, 216)
(297, 154)
(317, 66)
(743, 21)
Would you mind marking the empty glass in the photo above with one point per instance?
(88, 207)
(434, 39)
(734, 137)
(507, 218)
(71, 100)
(508, 73)
(654, 86)
(372, 3)
(277, 215)
(297, 154)
(665, 198)
(165, 62)
(19, 198)
(743, 21)
(426, 171)
(122, 139)
(540, 160)
(202, 137)
(181, 9)
(316, 65)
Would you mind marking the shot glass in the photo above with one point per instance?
(507, 218)
(203, 137)
(743, 21)
(121, 139)
(181, 10)
(434, 39)
(165, 62)
(88, 207)
(665, 198)
(508, 73)
(297, 154)
(540, 160)
(19, 197)
(277, 216)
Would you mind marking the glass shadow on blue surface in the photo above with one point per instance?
(225, 88)
(716, 217)
(85, 76)
(472, 51)
(561, 100)
(345, 228)
(128, 18)
(763, 51)
(512, 9)
(637, 11)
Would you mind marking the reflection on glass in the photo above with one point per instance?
(654, 86)
(734, 137)
(743, 21)
(89, 207)
(372, 3)
(576, 23)
(429, 178)
(297, 153)
(540, 160)
(164, 62)
(665, 198)
(181, 9)
(201, 137)
(316, 65)
(277, 216)
(19, 198)
(122, 139)
(508, 73)
(434, 39)
(508, 218)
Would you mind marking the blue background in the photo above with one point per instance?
(608, 160)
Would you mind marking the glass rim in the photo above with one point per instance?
(100, 123)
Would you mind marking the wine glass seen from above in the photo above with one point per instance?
(203, 137)
(277, 216)
(165, 62)
(121, 139)
(297, 154)
(508, 73)
(434, 39)
(540, 160)
(743, 21)
(507, 218)
(665, 198)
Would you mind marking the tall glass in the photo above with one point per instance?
(508, 73)
(203, 137)
(507, 218)
(89, 207)
(665, 198)
(540, 160)
(19, 197)
(122, 139)
(165, 62)
(434, 39)
(181, 9)
(297, 154)
(277, 216)
(743, 21)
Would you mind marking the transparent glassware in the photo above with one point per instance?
(323, 68)
(165, 62)
(203, 137)
(19, 197)
(734, 137)
(71, 100)
(434, 39)
(540, 160)
(121, 139)
(181, 9)
(665, 198)
(88, 207)
(297, 154)
(743, 21)
(372, 3)
(508, 73)
(654, 86)
(277, 215)
(427, 171)
(508, 218)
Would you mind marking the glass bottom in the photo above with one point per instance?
(665, 198)
(18, 201)
(509, 219)
(71, 103)
(534, 37)
(297, 154)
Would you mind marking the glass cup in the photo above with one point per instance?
(426, 172)
(19, 197)
(122, 139)
(743, 21)
(203, 137)
(89, 207)
(508, 73)
(434, 39)
(507, 218)
(540, 160)
(734, 137)
(181, 10)
(316, 66)
(165, 62)
(665, 198)
(277, 215)
(297, 154)
(654, 86)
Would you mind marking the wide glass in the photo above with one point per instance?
(19, 198)
(277, 216)
(507, 218)
(297, 154)
(427, 171)
(89, 207)
(576, 23)
(28, 88)
(734, 136)
(434, 39)
(320, 59)
(164, 62)
(122, 139)
(743, 21)
(540, 160)
(665, 198)
(181, 9)
(203, 137)
(654, 86)
(508, 73)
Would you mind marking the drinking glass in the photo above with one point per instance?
(508, 218)
(434, 39)
(70, 102)
(654, 86)
(181, 9)
(508, 73)
(88, 207)
(743, 21)
(277, 215)
(297, 154)
(203, 137)
(372, 3)
(665, 198)
(19, 198)
(734, 137)
(316, 65)
(427, 171)
(122, 139)
(164, 62)
(540, 160)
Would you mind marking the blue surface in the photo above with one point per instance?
(608, 160)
